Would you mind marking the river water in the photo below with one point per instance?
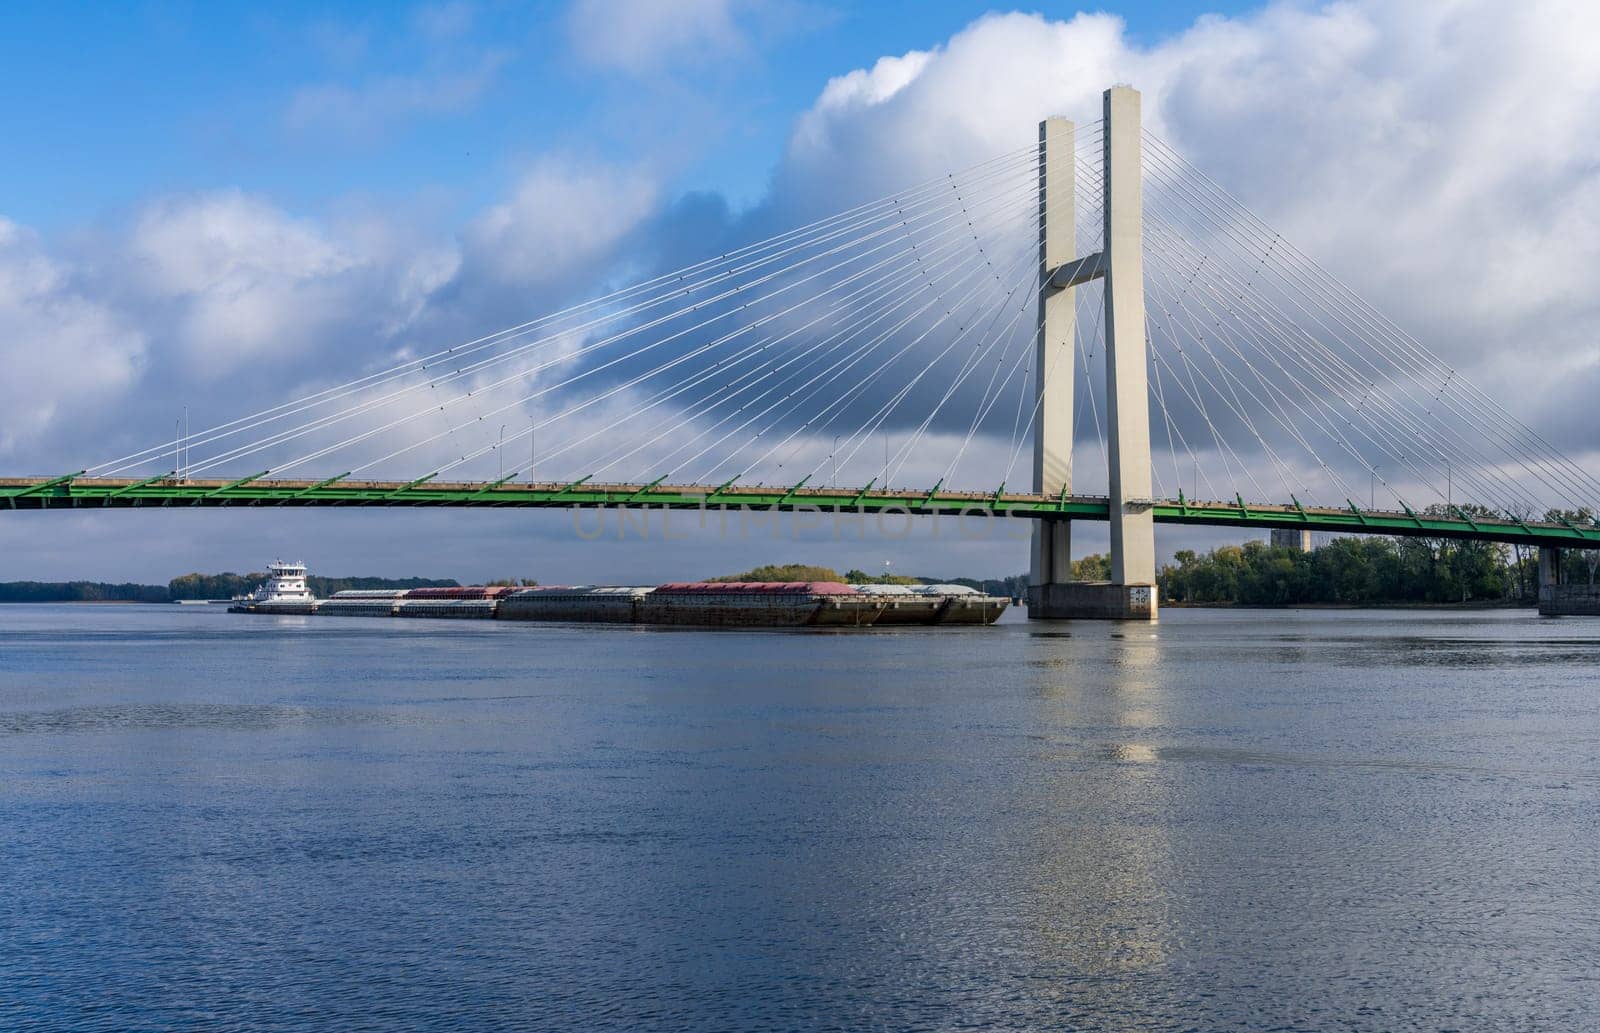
(1258, 820)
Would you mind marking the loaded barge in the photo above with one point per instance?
(758, 604)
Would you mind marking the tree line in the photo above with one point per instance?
(1365, 570)
(191, 586)
(80, 592)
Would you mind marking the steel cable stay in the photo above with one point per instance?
(1402, 457)
(1224, 445)
(1194, 326)
(1228, 341)
(1165, 319)
(1004, 360)
(837, 404)
(1029, 154)
(1368, 392)
(819, 350)
(1306, 350)
(930, 253)
(1196, 397)
(991, 401)
(989, 341)
(1303, 343)
(863, 434)
(1158, 393)
(1173, 326)
(1372, 384)
(791, 454)
(1290, 336)
(840, 339)
(1280, 396)
(832, 372)
(1169, 322)
(1019, 432)
(639, 448)
(1087, 348)
(903, 453)
(921, 269)
(1378, 349)
(992, 392)
(463, 371)
(870, 304)
(1352, 303)
(567, 332)
(971, 361)
(672, 363)
(786, 287)
(1252, 336)
(955, 462)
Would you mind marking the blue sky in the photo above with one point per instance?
(112, 103)
(227, 205)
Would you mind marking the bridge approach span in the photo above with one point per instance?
(35, 493)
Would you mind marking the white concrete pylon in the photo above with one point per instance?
(1133, 552)
(1054, 349)
(1131, 592)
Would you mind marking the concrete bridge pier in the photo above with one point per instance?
(1131, 592)
(1549, 568)
(1557, 598)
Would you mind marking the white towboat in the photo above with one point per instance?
(285, 591)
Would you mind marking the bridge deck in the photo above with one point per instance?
(61, 493)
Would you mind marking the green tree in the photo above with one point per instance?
(1578, 566)
(783, 572)
(1094, 567)
(1350, 570)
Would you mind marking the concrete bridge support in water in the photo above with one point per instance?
(1131, 592)
(1557, 598)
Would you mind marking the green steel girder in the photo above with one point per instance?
(66, 492)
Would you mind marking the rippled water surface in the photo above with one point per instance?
(1232, 820)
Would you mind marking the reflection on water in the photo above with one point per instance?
(1229, 820)
(1099, 886)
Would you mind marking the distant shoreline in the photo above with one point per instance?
(189, 588)
(1477, 604)
(87, 602)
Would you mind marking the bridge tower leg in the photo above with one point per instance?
(1131, 593)
(1054, 352)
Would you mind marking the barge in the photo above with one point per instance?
(748, 604)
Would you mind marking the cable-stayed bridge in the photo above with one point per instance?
(954, 348)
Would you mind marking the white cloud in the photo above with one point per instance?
(644, 35)
(240, 280)
(227, 301)
(561, 216)
(1440, 156)
(64, 353)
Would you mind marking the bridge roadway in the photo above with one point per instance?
(69, 492)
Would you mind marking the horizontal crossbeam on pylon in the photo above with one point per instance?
(123, 493)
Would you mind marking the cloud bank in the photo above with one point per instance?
(1441, 157)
